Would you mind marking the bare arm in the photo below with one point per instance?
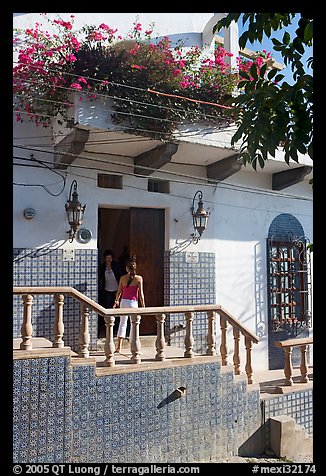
(118, 295)
(141, 292)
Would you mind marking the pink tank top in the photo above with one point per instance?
(130, 292)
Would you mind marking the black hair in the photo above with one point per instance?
(131, 265)
(108, 253)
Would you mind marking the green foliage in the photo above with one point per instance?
(274, 114)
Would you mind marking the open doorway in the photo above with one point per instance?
(137, 232)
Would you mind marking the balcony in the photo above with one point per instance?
(204, 146)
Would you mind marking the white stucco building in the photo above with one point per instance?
(256, 217)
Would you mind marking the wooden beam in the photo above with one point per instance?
(289, 177)
(154, 158)
(223, 168)
(74, 144)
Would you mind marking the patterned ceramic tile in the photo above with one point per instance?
(75, 423)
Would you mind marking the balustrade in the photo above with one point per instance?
(109, 315)
(287, 346)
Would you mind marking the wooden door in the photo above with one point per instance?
(147, 227)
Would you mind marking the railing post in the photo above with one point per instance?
(189, 339)
(58, 329)
(27, 328)
(288, 369)
(84, 333)
(236, 354)
(211, 339)
(223, 346)
(135, 346)
(248, 367)
(109, 346)
(160, 340)
(303, 366)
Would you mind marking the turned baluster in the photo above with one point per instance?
(248, 367)
(58, 329)
(223, 346)
(210, 339)
(27, 328)
(288, 369)
(109, 346)
(160, 340)
(236, 354)
(303, 366)
(84, 337)
(135, 346)
(189, 339)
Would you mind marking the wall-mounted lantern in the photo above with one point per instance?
(74, 210)
(199, 217)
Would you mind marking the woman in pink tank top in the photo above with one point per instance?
(130, 291)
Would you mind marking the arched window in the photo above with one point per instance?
(289, 275)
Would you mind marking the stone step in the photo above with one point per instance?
(288, 439)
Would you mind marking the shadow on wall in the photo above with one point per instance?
(255, 445)
(21, 253)
(177, 393)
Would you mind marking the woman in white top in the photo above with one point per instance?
(110, 274)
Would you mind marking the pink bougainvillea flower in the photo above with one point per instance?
(76, 86)
(51, 66)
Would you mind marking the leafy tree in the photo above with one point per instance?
(272, 113)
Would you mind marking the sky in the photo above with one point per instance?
(268, 46)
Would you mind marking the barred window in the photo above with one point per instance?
(289, 283)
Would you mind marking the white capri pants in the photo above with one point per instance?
(124, 319)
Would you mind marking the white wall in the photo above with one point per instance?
(237, 230)
(186, 26)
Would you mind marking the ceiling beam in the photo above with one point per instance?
(223, 168)
(72, 144)
(154, 158)
(289, 177)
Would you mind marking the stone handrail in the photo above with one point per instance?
(287, 346)
(87, 304)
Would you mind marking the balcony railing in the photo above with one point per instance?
(287, 346)
(87, 305)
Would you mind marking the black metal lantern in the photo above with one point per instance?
(74, 210)
(199, 218)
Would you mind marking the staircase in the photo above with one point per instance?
(288, 439)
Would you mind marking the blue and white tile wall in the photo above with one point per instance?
(189, 281)
(42, 410)
(298, 405)
(46, 267)
(65, 413)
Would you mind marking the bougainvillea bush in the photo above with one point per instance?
(153, 85)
